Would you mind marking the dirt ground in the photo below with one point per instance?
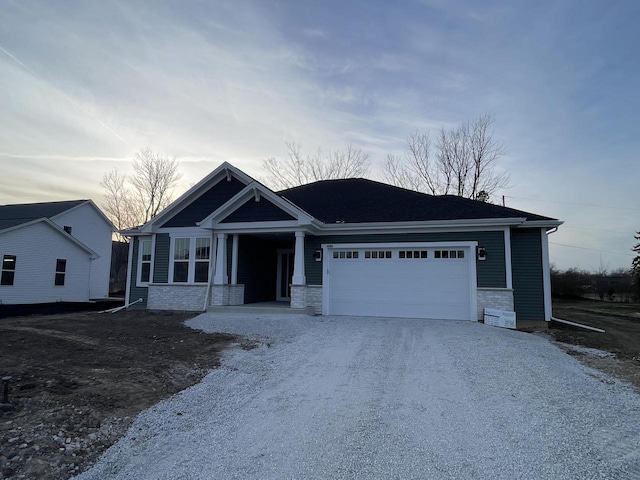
(79, 380)
(621, 323)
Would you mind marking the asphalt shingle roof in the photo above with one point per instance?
(12, 215)
(357, 200)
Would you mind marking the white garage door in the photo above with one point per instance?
(414, 282)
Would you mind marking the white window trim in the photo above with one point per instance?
(192, 258)
(139, 282)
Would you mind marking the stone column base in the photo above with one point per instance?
(227, 295)
(307, 296)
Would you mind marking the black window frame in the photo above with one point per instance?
(61, 272)
(8, 275)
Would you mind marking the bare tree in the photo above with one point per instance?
(463, 164)
(136, 199)
(635, 266)
(298, 169)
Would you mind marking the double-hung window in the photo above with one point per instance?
(8, 270)
(202, 256)
(181, 250)
(145, 261)
(191, 259)
(61, 270)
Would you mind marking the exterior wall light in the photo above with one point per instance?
(317, 255)
(482, 253)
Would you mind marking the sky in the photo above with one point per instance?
(84, 85)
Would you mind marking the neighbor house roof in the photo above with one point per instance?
(358, 200)
(13, 215)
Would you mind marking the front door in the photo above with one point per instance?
(285, 275)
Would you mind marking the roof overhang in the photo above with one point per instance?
(419, 226)
(548, 224)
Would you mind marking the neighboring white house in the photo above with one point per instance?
(54, 252)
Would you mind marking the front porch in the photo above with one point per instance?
(279, 308)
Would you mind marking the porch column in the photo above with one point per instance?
(234, 260)
(298, 261)
(220, 277)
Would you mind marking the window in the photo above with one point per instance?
(8, 269)
(145, 261)
(448, 254)
(191, 260)
(68, 229)
(61, 269)
(379, 254)
(413, 254)
(202, 256)
(348, 254)
(181, 249)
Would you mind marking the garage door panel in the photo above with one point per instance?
(399, 287)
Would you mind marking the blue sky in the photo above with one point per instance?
(86, 84)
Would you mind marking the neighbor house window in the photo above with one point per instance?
(61, 270)
(8, 269)
(181, 249)
(145, 261)
(202, 256)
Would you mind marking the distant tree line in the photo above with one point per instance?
(615, 286)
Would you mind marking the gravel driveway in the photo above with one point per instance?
(341, 397)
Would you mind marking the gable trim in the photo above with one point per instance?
(254, 191)
(59, 230)
(224, 171)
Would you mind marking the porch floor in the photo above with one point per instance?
(261, 307)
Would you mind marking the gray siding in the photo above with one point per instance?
(526, 259)
(136, 292)
(491, 272)
(161, 258)
(206, 204)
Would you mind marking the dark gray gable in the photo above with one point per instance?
(206, 204)
(262, 211)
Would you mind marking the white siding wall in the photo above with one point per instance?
(90, 228)
(37, 247)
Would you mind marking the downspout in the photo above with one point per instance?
(574, 324)
(546, 277)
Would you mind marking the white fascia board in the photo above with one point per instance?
(284, 226)
(252, 190)
(95, 207)
(184, 231)
(549, 224)
(408, 227)
(224, 169)
(465, 244)
(59, 230)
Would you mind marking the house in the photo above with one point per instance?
(340, 247)
(53, 252)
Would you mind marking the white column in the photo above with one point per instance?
(234, 260)
(507, 257)
(298, 261)
(220, 277)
